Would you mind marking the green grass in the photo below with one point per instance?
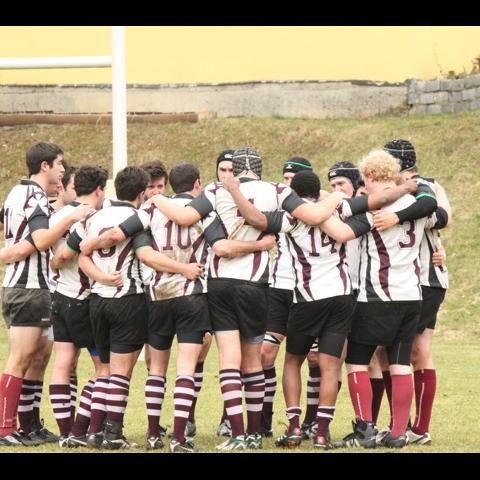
(454, 426)
(447, 148)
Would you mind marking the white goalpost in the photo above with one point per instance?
(119, 86)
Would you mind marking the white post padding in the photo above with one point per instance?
(55, 62)
(119, 100)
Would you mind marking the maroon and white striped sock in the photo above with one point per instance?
(231, 386)
(25, 405)
(154, 395)
(98, 408)
(378, 387)
(60, 400)
(10, 390)
(82, 421)
(324, 417)
(254, 384)
(313, 393)
(73, 395)
(36, 423)
(270, 389)
(293, 415)
(198, 377)
(387, 380)
(402, 396)
(425, 387)
(224, 414)
(117, 397)
(361, 394)
(183, 395)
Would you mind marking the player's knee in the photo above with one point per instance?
(421, 354)
(312, 358)
(269, 354)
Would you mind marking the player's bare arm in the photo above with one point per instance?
(184, 216)
(44, 238)
(16, 253)
(389, 195)
(234, 248)
(106, 240)
(316, 213)
(247, 210)
(161, 263)
(337, 230)
(62, 257)
(439, 257)
(426, 203)
(112, 279)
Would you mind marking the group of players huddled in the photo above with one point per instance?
(353, 276)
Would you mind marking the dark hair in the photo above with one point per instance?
(306, 184)
(130, 182)
(156, 169)
(41, 152)
(183, 177)
(69, 171)
(88, 178)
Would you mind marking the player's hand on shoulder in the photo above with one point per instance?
(411, 185)
(87, 245)
(82, 211)
(324, 194)
(383, 219)
(338, 197)
(231, 184)
(155, 197)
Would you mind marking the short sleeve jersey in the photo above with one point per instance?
(120, 257)
(266, 197)
(389, 266)
(26, 210)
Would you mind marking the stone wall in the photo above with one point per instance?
(444, 96)
(313, 99)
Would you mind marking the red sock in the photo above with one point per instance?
(402, 395)
(378, 387)
(387, 380)
(425, 387)
(361, 395)
(10, 388)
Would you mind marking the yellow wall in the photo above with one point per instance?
(232, 54)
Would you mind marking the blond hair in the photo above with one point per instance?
(380, 166)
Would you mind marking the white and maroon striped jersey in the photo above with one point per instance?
(431, 275)
(354, 250)
(68, 280)
(318, 260)
(266, 197)
(120, 257)
(183, 244)
(282, 274)
(26, 209)
(389, 266)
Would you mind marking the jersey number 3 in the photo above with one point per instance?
(410, 233)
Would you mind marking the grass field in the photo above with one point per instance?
(447, 148)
